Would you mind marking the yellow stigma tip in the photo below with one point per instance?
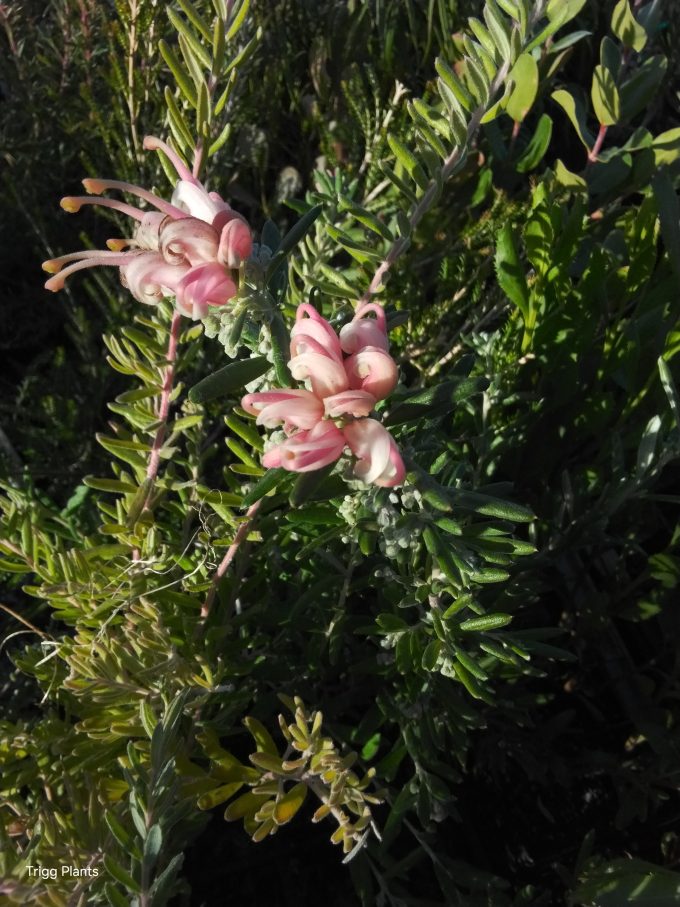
(51, 267)
(117, 245)
(93, 186)
(70, 204)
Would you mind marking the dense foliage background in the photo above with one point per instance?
(544, 768)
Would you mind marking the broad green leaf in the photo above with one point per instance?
(574, 110)
(524, 74)
(666, 147)
(642, 86)
(626, 28)
(605, 97)
(565, 10)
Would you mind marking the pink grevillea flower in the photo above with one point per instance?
(188, 247)
(346, 377)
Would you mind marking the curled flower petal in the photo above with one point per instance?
(327, 376)
(309, 324)
(379, 460)
(236, 243)
(372, 370)
(188, 240)
(194, 200)
(149, 277)
(147, 233)
(349, 403)
(362, 331)
(203, 286)
(306, 451)
(292, 407)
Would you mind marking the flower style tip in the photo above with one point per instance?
(71, 204)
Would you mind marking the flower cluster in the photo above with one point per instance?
(346, 377)
(187, 248)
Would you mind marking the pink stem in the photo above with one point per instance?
(597, 147)
(242, 533)
(164, 407)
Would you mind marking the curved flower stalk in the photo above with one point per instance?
(188, 248)
(346, 377)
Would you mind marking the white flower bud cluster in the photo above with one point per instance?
(396, 539)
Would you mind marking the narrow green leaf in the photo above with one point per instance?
(228, 379)
(538, 145)
(510, 273)
(269, 481)
(488, 622)
(183, 82)
(238, 20)
(116, 871)
(195, 18)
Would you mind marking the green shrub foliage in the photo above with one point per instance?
(468, 682)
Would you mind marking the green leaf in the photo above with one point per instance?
(435, 402)
(183, 82)
(231, 378)
(269, 481)
(670, 389)
(627, 881)
(297, 232)
(431, 654)
(116, 871)
(116, 899)
(510, 273)
(261, 736)
(525, 76)
(642, 86)
(537, 146)
(626, 28)
(669, 216)
(152, 846)
(574, 110)
(488, 622)
(408, 160)
(288, 805)
(218, 795)
(605, 97)
(162, 886)
(666, 147)
(238, 20)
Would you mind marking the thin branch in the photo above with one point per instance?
(221, 571)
